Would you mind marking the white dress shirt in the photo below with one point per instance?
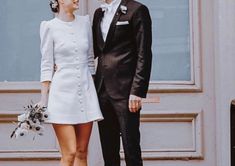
(109, 11)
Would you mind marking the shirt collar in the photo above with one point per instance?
(110, 7)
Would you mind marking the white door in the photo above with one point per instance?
(19, 81)
(178, 131)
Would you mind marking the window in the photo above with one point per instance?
(176, 58)
(175, 49)
(20, 42)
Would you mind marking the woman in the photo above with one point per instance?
(72, 102)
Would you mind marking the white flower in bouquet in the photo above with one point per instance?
(37, 127)
(31, 121)
(22, 130)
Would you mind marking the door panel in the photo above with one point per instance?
(180, 130)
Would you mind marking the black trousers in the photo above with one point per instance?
(119, 121)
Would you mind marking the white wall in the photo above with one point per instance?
(225, 75)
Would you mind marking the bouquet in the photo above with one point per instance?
(30, 121)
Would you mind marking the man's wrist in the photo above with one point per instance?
(134, 96)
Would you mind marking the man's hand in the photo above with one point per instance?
(55, 68)
(134, 103)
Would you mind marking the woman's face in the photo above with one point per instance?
(70, 5)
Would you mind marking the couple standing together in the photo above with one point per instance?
(76, 95)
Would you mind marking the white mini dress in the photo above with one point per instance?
(72, 95)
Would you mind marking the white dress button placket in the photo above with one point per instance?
(78, 72)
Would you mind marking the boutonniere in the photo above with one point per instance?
(123, 9)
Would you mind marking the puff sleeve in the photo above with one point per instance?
(46, 48)
(91, 60)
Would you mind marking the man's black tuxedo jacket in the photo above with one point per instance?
(124, 59)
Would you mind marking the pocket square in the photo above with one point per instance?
(122, 23)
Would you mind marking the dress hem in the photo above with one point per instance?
(80, 122)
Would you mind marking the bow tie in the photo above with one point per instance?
(106, 7)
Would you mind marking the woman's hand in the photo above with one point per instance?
(55, 68)
(45, 86)
(93, 77)
(41, 104)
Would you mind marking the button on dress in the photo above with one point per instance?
(72, 95)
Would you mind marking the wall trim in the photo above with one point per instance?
(15, 155)
(29, 155)
(193, 116)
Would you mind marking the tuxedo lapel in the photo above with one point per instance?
(113, 23)
(99, 32)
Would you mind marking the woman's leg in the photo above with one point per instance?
(83, 132)
(67, 141)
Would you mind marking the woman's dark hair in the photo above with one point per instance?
(54, 4)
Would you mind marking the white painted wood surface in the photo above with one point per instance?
(225, 78)
(184, 129)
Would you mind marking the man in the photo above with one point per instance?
(122, 42)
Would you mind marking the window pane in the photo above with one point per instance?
(20, 43)
(171, 39)
(19, 31)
